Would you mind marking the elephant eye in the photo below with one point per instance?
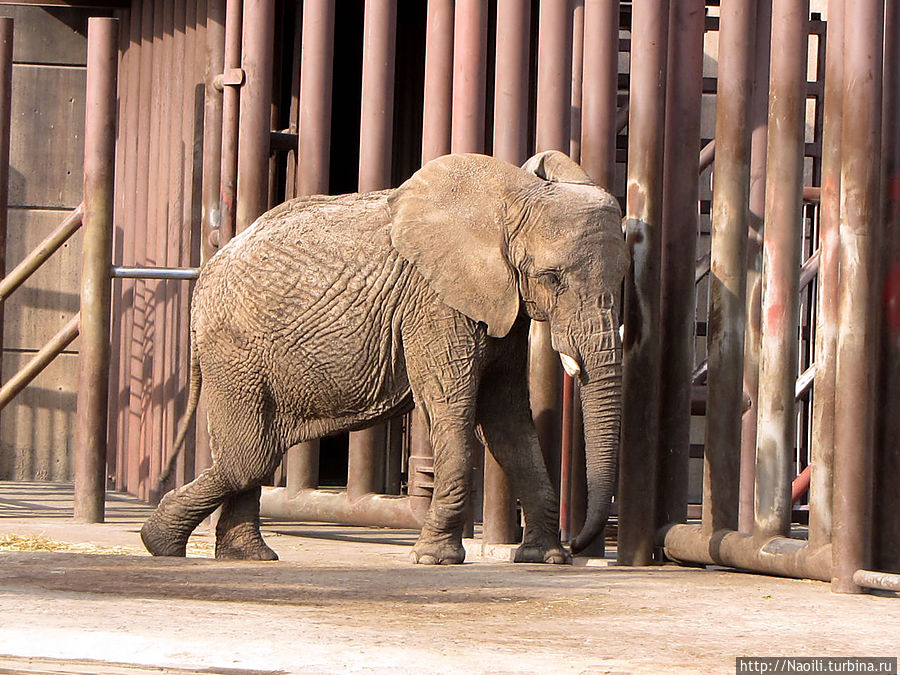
(550, 279)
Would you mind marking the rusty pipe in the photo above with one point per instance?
(93, 360)
(438, 97)
(469, 76)
(336, 506)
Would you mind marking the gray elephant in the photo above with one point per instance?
(334, 313)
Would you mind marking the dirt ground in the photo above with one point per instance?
(346, 599)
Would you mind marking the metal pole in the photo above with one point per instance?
(368, 447)
(598, 100)
(314, 147)
(887, 524)
(6, 68)
(828, 285)
(679, 242)
(554, 100)
(212, 130)
(316, 62)
(758, 119)
(233, 79)
(860, 282)
(511, 145)
(640, 422)
(438, 96)
(258, 35)
(469, 76)
(730, 219)
(93, 362)
(781, 264)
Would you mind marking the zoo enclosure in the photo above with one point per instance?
(535, 49)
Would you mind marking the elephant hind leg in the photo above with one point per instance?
(166, 532)
(237, 532)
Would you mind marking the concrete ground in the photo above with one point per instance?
(346, 599)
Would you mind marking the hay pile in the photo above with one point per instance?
(16, 542)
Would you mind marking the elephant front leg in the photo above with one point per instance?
(440, 542)
(237, 532)
(504, 416)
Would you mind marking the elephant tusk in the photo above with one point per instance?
(570, 365)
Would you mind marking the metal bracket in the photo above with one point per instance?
(233, 77)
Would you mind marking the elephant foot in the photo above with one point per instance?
(437, 553)
(554, 554)
(256, 551)
(160, 541)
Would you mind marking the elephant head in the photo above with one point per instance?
(495, 240)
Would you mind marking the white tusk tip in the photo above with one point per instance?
(570, 365)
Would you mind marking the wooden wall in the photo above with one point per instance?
(37, 428)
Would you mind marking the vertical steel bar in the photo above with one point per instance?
(887, 523)
(258, 35)
(759, 117)
(640, 423)
(6, 68)
(730, 219)
(212, 218)
(511, 145)
(577, 87)
(554, 102)
(598, 157)
(315, 96)
(368, 447)
(93, 361)
(821, 473)
(469, 76)
(438, 95)
(857, 335)
(681, 192)
(781, 266)
(314, 147)
(601, 70)
(231, 103)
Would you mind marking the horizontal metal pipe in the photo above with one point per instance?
(170, 273)
(770, 555)
(883, 581)
(334, 506)
(41, 360)
(42, 251)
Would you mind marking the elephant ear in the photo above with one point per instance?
(557, 167)
(449, 220)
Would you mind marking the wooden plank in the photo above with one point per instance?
(47, 141)
(36, 311)
(38, 427)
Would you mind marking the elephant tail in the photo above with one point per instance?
(196, 379)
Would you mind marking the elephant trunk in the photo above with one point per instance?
(601, 397)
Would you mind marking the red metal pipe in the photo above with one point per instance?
(93, 361)
(554, 100)
(315, 97)
(368, 447)
(510, 144)
(758, 119)
(231, 102)
(800, 484)
(469, 76)
(679, 243)
(6, 68)
(781, 252)
(438, 97)
(860, 280)
(601, 70)
(257, 41)
(337, 506)
(640, 383)
(828, 285)
(887, 509)
(730, 220)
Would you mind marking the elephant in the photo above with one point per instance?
(333, 313)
